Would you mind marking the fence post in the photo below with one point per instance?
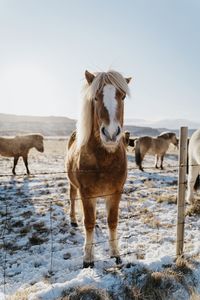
(181, 190)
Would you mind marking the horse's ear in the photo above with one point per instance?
(128, 79)
(89, 77)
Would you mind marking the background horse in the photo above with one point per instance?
(20, 146)
(129, 141)
(156, 146)
(194, 164)
(96, 158)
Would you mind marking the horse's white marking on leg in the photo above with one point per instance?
(193, 173)
(89, 247)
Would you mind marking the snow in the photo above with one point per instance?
(40, 251)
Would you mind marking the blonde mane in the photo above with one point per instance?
(84, 124)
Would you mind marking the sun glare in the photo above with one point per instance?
(27, 89)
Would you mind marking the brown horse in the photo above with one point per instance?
(20, 146)
(96, 159)
(156, 146)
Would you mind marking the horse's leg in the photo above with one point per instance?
(161, 161)
(25, 159)
(89, 207)
(15, 163)
(193, 173)
(73, 194)
(112, 205)
(156, 161)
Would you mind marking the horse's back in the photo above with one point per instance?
(145, 142)
(152, 145)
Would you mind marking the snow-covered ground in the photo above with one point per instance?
(41, 254)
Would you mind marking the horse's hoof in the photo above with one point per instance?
(117, 259)
(74, 224)
(88, 264)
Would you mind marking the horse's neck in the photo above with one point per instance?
(29, 142)
(168, 142)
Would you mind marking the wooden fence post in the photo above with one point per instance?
(181, 190)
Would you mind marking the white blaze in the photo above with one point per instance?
(110, 102)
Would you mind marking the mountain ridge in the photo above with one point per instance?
(11, 125)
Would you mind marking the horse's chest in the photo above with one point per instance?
(104, 179)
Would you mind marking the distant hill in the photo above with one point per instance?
(139, 130)
(165, 123)
(11, 125)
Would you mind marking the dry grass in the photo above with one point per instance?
(194, 209)
(86, 293)
(170, 199)
(23, 294)
(35, 239)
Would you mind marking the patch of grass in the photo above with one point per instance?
(27, 214)
(22, 294)
(85, 293)
(18, 223)
(63, 191)
(182, 265)
(25, 230)
(170, 199)
(59, 203)
(150, 220)
(152, 289)
(40, 226)
(11, 246)
(194, 209)
(61, 184)
(35, 239)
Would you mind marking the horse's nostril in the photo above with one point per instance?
(118, 131)
(103, 130)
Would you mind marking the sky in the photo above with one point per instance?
(46, 46)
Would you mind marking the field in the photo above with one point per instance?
(41, 254)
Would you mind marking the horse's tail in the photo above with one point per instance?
(197, 183)
(138, 157)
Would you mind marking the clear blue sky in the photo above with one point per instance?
(45, 47)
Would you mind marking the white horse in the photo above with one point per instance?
(194, 165)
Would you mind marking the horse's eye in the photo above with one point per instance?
(124, 96)
(95, 99)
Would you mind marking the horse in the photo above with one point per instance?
(20, 146)
(129, 141)
(126, 138)
(193, 180)
(154, 145)
(96, 158)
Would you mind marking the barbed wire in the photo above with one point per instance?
(51, 202)
(97, 171)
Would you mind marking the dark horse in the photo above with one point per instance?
(96, 159)
(20, 146)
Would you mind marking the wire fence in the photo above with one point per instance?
(52, 208)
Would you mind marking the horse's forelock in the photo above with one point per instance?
(103, 78)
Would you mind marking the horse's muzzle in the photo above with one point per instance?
(41, 149)
(110, 138)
